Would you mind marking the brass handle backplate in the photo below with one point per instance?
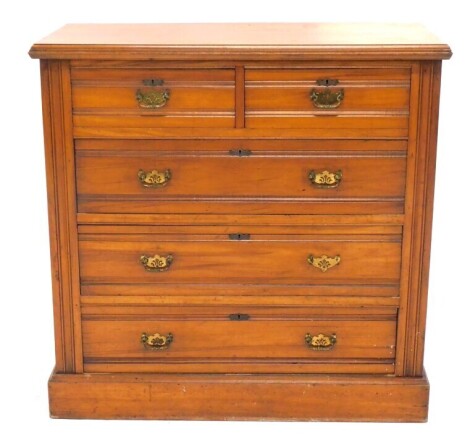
(156, 263)
(154, 178)
(325, 179)
(156, 341)
(152, 99)
(324, 262)
(320, 342)
(327, 99)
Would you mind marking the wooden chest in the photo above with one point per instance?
(240, 219)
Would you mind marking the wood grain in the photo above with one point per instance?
(347, 74)
(364, 89)
(129, 75)
(332, 146)
(210, 340)
(255, 225)
(213, 317)
(240, 87)
(344, 125)
(294, 367)
(115, 259)
(362, 221)
(55, 82)
(198, 176)
(93, 309)
(418, 220)
(266, 206)
(397, 129)
(240, 96)
(278, 96)
(245, 41)
(239, 293)
(196, 97)
(239, 397)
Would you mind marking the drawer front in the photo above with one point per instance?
(195, 343)
(153, 97)
(341, 99)
(183, 259)
(258, 177)
(157, 176)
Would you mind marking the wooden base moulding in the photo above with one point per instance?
(239, 397)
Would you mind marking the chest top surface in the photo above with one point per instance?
(241, 41)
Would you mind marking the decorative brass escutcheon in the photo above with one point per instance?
(152, 99)
(155, 82)
(327, 82)
(156, 341)
(320, 342)
(239, 236)
(327, 99)
(325, 179)
(324, 262)
(156, 263)
(241, 153)
(154, 178)
(238, 317)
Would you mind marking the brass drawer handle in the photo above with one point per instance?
(327, 99)
(154, 178)
(325, 179)
(152, 99)
(156, 341)
(156, 263)
(320, 342)
(324, 262)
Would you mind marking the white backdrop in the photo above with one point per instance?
(26, 336)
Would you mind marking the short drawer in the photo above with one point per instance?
(159, 260)
(153, 97)
(239, 342)
(333, 101)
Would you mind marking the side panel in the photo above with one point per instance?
(60, 170)
(425, 86)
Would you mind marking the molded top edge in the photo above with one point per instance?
(241, 41)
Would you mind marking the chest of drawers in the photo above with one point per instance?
(240, 219)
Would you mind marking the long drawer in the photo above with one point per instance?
(157, 260)
(155, 176)
(237, 342)
(153, 97)
(183, 177)
(346, 100)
